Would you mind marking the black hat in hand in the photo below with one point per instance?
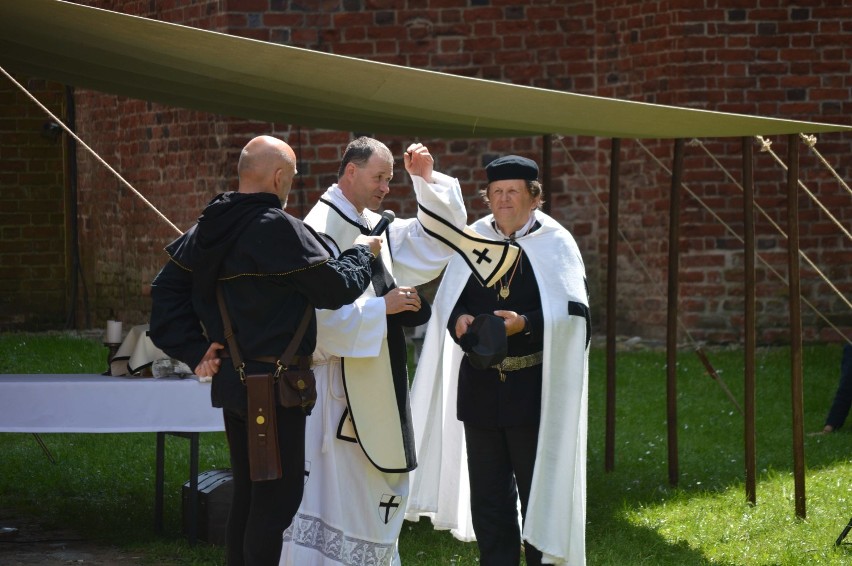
(485, 341)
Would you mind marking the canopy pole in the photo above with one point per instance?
(672, 310)
(547, 174)
(611, 280)
(795, 322)
(750, 337)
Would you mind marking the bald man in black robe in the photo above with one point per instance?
(270, 267)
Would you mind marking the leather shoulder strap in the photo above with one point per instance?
(233, 348)
(285, 358)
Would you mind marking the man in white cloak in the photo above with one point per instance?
(530, 406)
(359, 437)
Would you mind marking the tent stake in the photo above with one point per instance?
(699, 351)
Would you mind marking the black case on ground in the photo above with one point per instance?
(215, 488)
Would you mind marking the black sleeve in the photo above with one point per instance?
(535, 328)
(336, 282)
(411, 319)
(175, 328)
(459, 309)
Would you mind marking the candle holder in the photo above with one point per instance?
(112, 348)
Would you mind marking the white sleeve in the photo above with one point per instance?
(355, 331)
(418, 257)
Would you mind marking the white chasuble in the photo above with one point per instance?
(381, 426)
(352, 511)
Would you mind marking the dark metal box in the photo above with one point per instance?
(215, 488)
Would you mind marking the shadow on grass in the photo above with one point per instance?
(710, 464)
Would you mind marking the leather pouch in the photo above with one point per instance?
(264, 455)
(297, 388)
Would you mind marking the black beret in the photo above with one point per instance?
(511, 167)
(485, 341)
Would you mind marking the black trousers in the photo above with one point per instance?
(843, 397)
(261, 511)
(500, 464)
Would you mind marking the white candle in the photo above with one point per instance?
(113, 332)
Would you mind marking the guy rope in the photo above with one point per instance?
(90, 150)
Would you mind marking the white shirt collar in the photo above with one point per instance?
(335, 196)
(518, 234)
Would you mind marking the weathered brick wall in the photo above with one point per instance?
(176, 159)
(33, 274)
(778, 59)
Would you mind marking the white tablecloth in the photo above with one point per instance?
(44, 403)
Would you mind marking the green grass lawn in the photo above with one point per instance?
(103, 485)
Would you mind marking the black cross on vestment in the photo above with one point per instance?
(388, 505)
(482, 255)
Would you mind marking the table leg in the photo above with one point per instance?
(160, 478)
(192, 528)
(843, 534)
(193, 488)
(44, 448)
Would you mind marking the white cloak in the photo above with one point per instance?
(556, 513)
(351, 513)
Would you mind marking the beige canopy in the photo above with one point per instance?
(223, 74)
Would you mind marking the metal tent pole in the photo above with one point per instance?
(795, 322)
(748, 229)
(611, 279)
(546, 173)
(672, 310)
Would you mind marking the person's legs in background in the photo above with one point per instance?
(843, 397)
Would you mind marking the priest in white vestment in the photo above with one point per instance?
(493, 432)
(359, 437)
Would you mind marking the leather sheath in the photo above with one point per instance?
(264, 455)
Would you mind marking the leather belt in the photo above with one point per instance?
(514, 363)
(297, 362)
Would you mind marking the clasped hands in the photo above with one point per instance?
(514, 322)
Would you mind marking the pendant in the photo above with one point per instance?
(504, 292)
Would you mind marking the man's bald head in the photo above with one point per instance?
(267, 165)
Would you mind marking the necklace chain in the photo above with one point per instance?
(504, 289)
(503, 293)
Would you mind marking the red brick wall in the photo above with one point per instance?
(33, 274)
(775, 60)
(790, 61)
(176, 159)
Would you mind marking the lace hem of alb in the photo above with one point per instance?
(315, 534)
